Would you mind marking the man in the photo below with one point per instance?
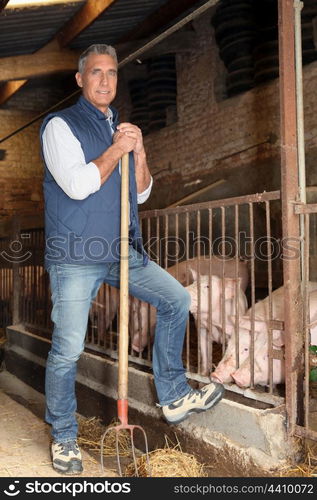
(82, 225)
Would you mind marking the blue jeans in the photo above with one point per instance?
(73, 288)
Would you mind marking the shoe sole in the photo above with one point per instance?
(216, 399)
(69, 470)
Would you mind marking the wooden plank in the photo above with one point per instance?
(3, 3)
(28, 66)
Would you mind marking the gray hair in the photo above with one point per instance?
(97, 48)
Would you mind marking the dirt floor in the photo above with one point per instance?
(25, 438)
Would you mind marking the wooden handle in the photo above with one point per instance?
(124, 282)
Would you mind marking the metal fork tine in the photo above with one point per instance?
(118, 453)
(133, 453)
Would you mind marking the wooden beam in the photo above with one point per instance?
(17, 70)
(161, 17)
(3, 3)
(87, 14)
(81, 20)
(31, 66)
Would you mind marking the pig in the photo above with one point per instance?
(214, 309)
(104, 307)
(185, 272)
(142, 321)
(226, 371)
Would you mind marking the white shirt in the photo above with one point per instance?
(65, 160)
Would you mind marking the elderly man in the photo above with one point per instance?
(82, 147)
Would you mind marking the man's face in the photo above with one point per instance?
(99, 80)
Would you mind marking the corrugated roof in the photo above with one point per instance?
(25, 30)
(121, 17)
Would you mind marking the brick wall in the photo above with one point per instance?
(21, 170)
(235, 139)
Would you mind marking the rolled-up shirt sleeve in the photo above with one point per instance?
(142, 197)
(65, 160)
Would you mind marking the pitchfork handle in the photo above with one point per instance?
(124, 282)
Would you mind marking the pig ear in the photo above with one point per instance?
(194, 274)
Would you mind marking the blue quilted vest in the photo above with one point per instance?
(88, 231)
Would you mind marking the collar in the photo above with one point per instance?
(90, 108)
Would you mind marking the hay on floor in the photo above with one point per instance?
(90, 432)
(308, 468)
(167, 462)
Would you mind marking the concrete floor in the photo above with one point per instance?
(25, 437)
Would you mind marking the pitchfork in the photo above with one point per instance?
(122, 402)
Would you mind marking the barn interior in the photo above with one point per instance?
(202, 79)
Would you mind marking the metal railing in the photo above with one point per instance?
(239, 230)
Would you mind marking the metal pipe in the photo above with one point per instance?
(168, 32)
(298, 5)
(290, 221)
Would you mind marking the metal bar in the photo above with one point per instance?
(187, 325)
(209, 344)
(305, 433)
(252, 336)
(269, 270)
(310, 208)
(298, 5)
(306, 314)
(158, 253)
(239, 200)
(16, 297)
(168, 32)
(237, 308)
(166, 241)
(199, 347)
(290, 222)
(223, 292)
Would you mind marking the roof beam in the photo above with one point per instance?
(23, 67)
(81, 20)
(27, 66)
(3, 3)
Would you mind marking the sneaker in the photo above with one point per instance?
(196, 401)
(67, 457)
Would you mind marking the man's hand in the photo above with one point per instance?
(132, 132)
(124, 141)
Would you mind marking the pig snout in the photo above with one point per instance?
(223, 371)
(241, 378)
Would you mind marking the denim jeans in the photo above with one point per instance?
(73, 288)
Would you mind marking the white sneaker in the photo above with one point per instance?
(67, 457)
(196, 401)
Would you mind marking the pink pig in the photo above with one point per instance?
(142, 319)
(222, 296)
(226, 369)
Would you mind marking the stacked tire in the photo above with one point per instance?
(162, 90)
(235, 33)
